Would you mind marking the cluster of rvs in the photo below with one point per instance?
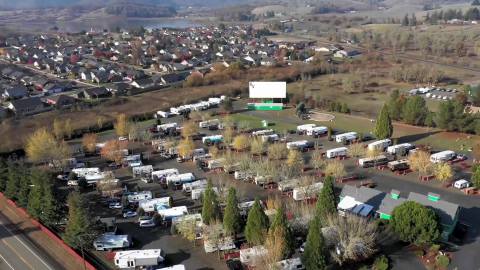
(199, 106)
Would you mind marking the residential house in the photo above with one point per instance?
(346, 53)
(61, 101)
(174, 78)
(15, 92)
(27, 106)
(145, 83)
(120, 88)
(96, 92)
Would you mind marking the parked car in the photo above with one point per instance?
(146, 222)
(129, 214)
(115, 205)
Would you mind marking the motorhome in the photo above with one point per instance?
(180, 178)
(162, 114)
(212, 139)
(400, 149)
(379, 145)
(398, 165)
(110, 241)
(346, 138)
(139, 196)
(196, 194)
(188, 187)
(133, 160)
(302, 129)
(135, 259)
(306, 192)
(337, 152)
(263, 132)
(142, 170)
(170, 213)
(317, 131)
(249, 256)
(374, 161)
(163, 174)
(209, 123)
(152, 205)
(223, 244)
(443, 156)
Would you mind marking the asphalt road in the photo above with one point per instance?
(18, 253)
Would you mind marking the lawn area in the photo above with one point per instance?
(256, 122)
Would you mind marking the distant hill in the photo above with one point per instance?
(142, 9)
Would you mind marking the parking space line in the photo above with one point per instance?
(9, 265)
(18, 254)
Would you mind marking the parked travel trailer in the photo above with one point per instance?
(400, 149)
(135, 259)
(461, 184)
(346, 138)
(180, 178)
(179, 110)
(239, 175)
(94, 178)
(337, 152)
(223, 244)
(139, 196)
(215, 163)
(302, 193)
(379, 145)
(162, 114)
(443, 156)
(302, 129)
(110, 241)
(209, 123)
(249, 256)
(398, 165)
(370, 162)
(288, 185)
(188, 187)
(190, 217)
(142, 170)
(245, 207)
(152, 205)
(163, 174)
(270, 138)
(290, 264)
(263, 132)
(83, 172)
(212, 139)
(174, 267)
(299, 145)
(197, 193)
(170, 213)
(167, 127)
(317, 131)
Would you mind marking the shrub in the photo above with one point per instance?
(381, 263)
(442, 261)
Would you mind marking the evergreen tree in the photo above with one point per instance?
(395, 105)
(415, 111)
(405, 21)
(476, 176)
(51, 210)
(383, 127)
(24, 188)
(327, 201)
(257, 225)
(210, 209)
(80, 229)
(13, 182)
(231, 218)
(280, 221)
(35, 202)
(413, 20)
(444, 117)
(3, 174)
(314, 256)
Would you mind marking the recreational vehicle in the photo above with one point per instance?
(188, 187)
(346, 138)
(139, 258)
(302, 193)
(302, 129)
(443, 156)
(298, 145)
(249, 256)
(263, 132)
(162, 114)
(180, 178)
(212, 139)
(288, 185)
(337, 152)
(163, 174)
(375, 161)
(170, 213)
(167, 127)
(317, 131)
(379, 145)
(398, 165)
(223, 244)
(215, 163)
(209, 123)
(400, 149)
(109, 241)
(83, 172)
(139, 196)
(197, 193)
(290, 264)
(174, 267)
(270, 138)
(153, 205)
(142, 170)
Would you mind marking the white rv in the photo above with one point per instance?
(153, 205)
(162, 174)
(249, 256)
(288, 185)
(179, 110)
(302, 193)
(263, 132)
(139, 196)
(180, 178)
(83, 172)
(297, 144)
(213, 164)
(174, 267)
(337, 152)
(375, 161)
(190, 217)
(346, 137)
(167, 127)
(162, 114)
(188, 187)
(379, 145)
(305, 128)
(209, 123)
(400, 149)
(290, 264)
(443, 156)
(197, 193)
(109, 241)
(139, 258)
(223, 244)
(270, 138)
(142, 170)
(170, 213)
(317, 131)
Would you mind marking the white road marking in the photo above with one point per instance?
(9, 265)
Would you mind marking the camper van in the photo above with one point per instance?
(370, 162)
(302, 193)
(167, 127)
(109, 241)
(83, 172)
(163, 174)
(152, 205)
(443, 156)
(135, 259)
(398, 165)
(346, 138)
(400, 149)
(170, 213)
(337, 152)
(139, 196)
(379, 145)
(299, 145)
(188, 187)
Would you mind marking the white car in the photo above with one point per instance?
(115, 205)
(129, 214)
(146, 222)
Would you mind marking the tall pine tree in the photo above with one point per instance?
(327, 201)
(280, 222)
(314, 256)
(35, 202)
(51, 211)
(24, 187)
(383, 127)
(3, 174)
(13, 182)
(80, 230)
(210, 209)
(257, 225)
(231, 218)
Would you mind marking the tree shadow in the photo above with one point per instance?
(416, 137)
